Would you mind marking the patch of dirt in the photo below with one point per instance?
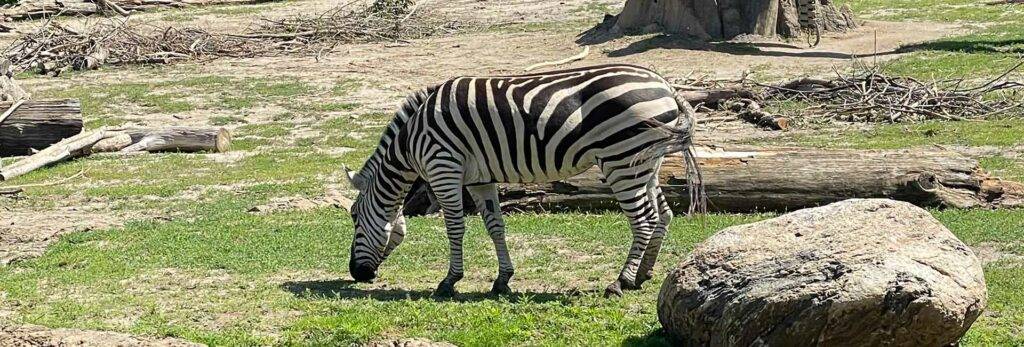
(334, 198)
(1015, 152)
(31, 335)
(991, 252)
(25, 234)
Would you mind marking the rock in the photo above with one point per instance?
(862, 272)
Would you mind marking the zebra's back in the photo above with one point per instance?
(548, 126)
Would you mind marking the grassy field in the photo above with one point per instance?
(209, 271)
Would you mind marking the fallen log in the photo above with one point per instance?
(746, 179)
(37, 124)
(712, 98)
(176, 139)
(750, 111)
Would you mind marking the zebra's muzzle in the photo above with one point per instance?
(362, 272)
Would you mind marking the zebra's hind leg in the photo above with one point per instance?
(447, 187)
(486, 197)
(646, 270)
(629, 182)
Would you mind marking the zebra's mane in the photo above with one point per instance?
(406, 110)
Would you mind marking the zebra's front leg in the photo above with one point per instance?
(629, 184)
(486, 198)
(448, 190)
(397, 234)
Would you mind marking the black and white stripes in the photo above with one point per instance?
(474, 132)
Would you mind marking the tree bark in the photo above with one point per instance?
(177, 139)
(746, 179)
(35, 125)
(727, 19)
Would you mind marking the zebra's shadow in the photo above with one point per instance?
(348, 289)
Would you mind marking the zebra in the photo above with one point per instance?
(476, 132)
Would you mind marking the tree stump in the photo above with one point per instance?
(727, 19)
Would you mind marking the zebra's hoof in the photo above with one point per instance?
(643, 277)
(614, 289)
(445, 291)
(500, 289)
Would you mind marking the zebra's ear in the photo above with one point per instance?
(354, 179)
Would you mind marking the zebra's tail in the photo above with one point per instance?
(680, 140)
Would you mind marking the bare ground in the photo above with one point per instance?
(30, 335)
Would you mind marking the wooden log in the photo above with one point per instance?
(60, 151)
(747, 179)
(712, 98)
(750, 111)
(178, 139)
(37, 124)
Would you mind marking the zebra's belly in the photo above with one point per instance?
(475, 173)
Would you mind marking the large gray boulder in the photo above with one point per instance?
(863, 272)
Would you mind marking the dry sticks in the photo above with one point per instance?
(869, 96)
(55, 47)
(875, 97)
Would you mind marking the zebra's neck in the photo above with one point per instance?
(406, 110)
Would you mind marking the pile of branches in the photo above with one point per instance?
(876, 97)
(55, 48)
(868, 96)
(384, 20)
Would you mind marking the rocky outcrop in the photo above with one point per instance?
(863, 272)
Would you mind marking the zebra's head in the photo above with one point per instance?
(376, 213)
(375, 235)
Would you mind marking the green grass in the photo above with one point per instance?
(101, 100)
(1005, 168)
(594, 7)
(1001, 133)
(265, 272)
(965, 11)
(994, 45)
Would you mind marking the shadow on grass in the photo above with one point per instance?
(765, 49)
(346, 289)
(654, 338)
(600, 33)
(969, 46)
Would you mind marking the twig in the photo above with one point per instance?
(586, 51)
(22, 187)
(112, 6)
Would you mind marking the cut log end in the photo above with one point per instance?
(223, 142)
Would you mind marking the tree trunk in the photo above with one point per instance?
(35, 125)
(747, 180)
(727, 19)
